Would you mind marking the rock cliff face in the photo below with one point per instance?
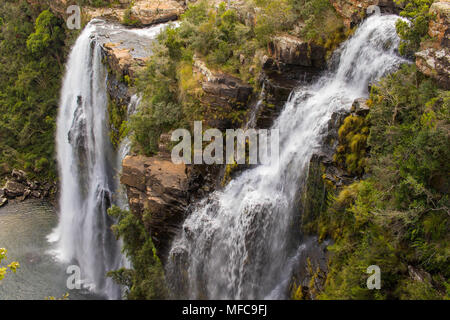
(221, 94)
(144, 12)
(157, 194)
(434, 58)
(353, 11)
(290, 63)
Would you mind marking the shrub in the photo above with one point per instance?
(146, 280)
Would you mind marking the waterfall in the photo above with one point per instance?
(239, 242)
(89, 166)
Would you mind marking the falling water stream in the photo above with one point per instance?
(237, 243)
(88, 163)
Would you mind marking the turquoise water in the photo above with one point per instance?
(23, 230)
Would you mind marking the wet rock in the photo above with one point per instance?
(36, 194)
(25, 195)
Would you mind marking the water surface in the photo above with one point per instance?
(23, 230)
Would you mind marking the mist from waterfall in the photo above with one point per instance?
(239, 242)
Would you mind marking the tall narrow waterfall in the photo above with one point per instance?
(88, 164)
(85, 158)
(237, 243)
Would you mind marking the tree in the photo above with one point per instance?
(12, 267)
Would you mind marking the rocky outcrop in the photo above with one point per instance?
(433, 59)
(144, 12)
(157, 194)
(153, 12)
(354, 11)
(293, 51)
(222, 94)
(439, 26)
(19, 187)
(435, 63)
(291, 62)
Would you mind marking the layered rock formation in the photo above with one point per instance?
(290, 63)
(157, 194)
(221, 94)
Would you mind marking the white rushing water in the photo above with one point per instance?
(88, 164)
(236, 244)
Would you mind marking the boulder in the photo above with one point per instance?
(19, 175)
(418, 274)
(153, 12)
(14, 189)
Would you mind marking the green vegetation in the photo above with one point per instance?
(146, 280)
(12, 267)
(398, 217)
(416, 30)
(226, 40)
(31, 64)
(351, 152)
(117, 113)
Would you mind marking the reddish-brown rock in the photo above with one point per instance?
(157, 193)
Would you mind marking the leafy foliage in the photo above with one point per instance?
(225, 39)
(398, 218)
(31, 65)
(13, 266)
(146, 280)
(415, 29)
(351, 151)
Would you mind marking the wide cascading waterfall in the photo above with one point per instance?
(238, 243)
(88, 164)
